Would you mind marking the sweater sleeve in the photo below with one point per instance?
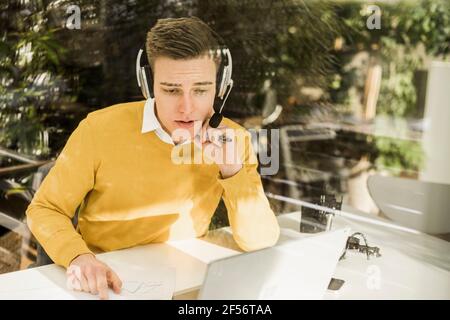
(62, 191)
(252, 221)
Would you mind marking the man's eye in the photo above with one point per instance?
(200, 91)
(171, 91)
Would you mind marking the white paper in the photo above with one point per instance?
(157, 283)
(138, 283)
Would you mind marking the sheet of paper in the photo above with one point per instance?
(138, 283)
(157, 283)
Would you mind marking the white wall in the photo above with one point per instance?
(436, 138)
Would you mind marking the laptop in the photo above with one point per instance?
(296, 268)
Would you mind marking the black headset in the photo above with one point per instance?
(224, 83)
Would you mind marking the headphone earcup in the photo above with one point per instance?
(219, 80)
(148, 80)
(142, 83)
(224, 82)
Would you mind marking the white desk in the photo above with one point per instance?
(412, 266)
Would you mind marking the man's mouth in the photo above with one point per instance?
(185, 123)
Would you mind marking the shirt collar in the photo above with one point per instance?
(150, 121)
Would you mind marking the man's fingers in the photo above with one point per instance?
(92, 281)
(114, 280)
(84, 283)
(102, 284)
(73, 283)
(215, 136)
(203, 132)
(220, 135)
(91, 275)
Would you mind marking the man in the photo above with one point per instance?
(119, 165)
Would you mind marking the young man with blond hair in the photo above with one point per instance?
(118, 167)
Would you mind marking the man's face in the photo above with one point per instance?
(184, 92)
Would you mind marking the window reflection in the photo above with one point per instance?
(362, 113)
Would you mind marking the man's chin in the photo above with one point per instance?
(183, 133)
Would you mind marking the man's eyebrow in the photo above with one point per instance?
(201, 83)
(170, 84)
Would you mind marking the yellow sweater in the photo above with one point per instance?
(132, 193)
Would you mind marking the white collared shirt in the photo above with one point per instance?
(151, 123)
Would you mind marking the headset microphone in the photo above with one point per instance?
(217, 117)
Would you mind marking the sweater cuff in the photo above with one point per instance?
(235, 184)
(73, 250)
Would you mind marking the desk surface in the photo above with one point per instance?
(412, 266)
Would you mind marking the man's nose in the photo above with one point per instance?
(186, 105)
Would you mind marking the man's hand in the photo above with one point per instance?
(220, 146)
(86, 273)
